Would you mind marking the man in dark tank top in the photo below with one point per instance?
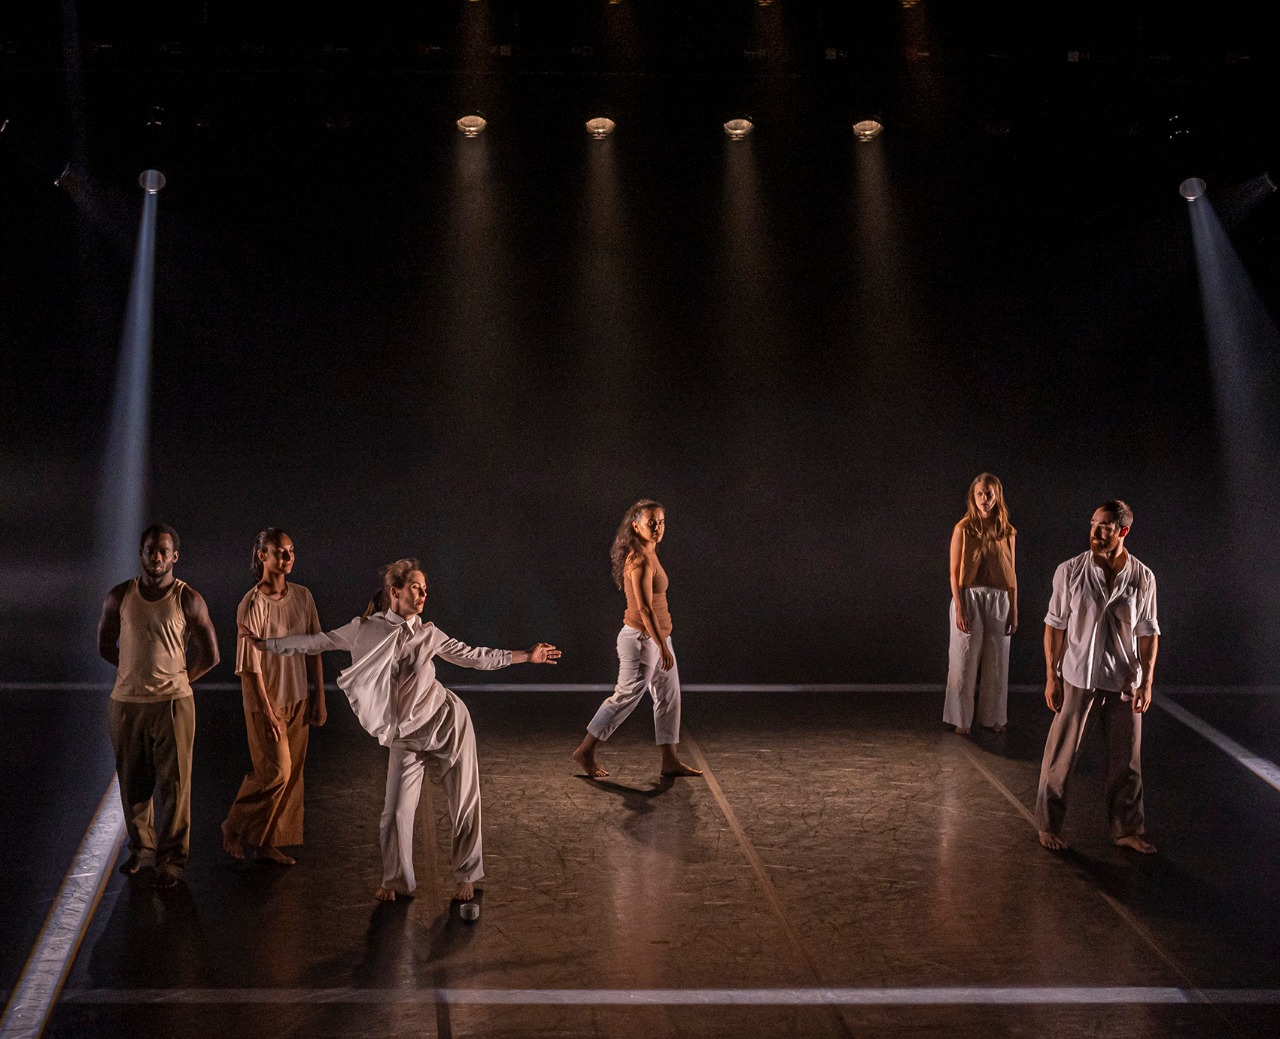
(156, 632)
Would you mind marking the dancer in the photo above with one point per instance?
(984, 609)
(156, 631)
(392, 686)
(278, 711)
(646, 658)
(1100, 643)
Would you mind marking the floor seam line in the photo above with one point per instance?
(762, 875)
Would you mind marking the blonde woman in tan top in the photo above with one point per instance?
(646, 658)
(278, 708)
(984, 609)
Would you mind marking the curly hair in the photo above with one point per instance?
(626, 542)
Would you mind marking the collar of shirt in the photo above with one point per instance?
(1118, 584)
(395, 619)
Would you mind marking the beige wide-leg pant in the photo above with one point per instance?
(268, 809)
(448, 742)
(153, 743)
(639, 672)
(987, 610)
(1124, 760)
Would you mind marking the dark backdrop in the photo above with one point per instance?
(391, 340)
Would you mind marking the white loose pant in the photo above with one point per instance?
(987, 610)
(640, 672)
(447, 740)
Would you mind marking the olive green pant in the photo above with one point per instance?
(153, 744)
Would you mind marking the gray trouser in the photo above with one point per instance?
(987, 611)
(1124, 760)
(640, 672)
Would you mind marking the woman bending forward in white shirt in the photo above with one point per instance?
(393, 690)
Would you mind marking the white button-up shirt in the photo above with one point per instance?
(1103, 627)
(391, 682)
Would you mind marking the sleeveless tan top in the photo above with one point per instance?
(153, 647)
(661, 615)
(986, 562)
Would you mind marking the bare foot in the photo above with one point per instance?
(961, 731)
(997, 727)
(231, 842)
(385, 894)
(1137, 843)
(586, 759)
(464, 892)
(131, 865)
(1052, 841)
(277, 856)
(166, 880)
(676, 767)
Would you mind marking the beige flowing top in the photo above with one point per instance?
(153, 647)
(285, 678)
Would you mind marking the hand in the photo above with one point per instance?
(962, 623)
(274, 729)
(252, 639)
(1012, 625)
(666, 660)
(543, 653)
(1142, 699)
(1053, 693)
(317, 712)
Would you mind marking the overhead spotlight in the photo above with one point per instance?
(1267, 178)
(151, 181)
(64, 178)
(867, 129)
(601, 127)
(4, 126)
(1192, 188)
(739, 127)
(472, 125)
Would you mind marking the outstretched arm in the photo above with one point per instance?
(541, 653)
(289, 645)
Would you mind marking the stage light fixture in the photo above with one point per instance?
(64, 177)
(1192, 188)
(4, 126)
(867, 129)
(472, 125)
(151, 181)
(739, 127)
(601, 127)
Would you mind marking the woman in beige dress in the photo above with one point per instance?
(279, 710)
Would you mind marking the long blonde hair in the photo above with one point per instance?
(995, 527)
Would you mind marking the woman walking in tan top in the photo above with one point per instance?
(984, 609)
(646, 659)
(278, 710)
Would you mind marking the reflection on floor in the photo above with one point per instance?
(848, 867)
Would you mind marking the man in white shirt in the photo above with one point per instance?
(1100, 642)
(393, 690)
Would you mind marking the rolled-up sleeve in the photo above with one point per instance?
(1146, 622)
(339, 638)
(1060, 600)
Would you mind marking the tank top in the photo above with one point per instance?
(661, 615)
(153, 647)
(986, 562)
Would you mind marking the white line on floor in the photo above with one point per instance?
(1258, 765)
(50, 960)
(959, 996)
